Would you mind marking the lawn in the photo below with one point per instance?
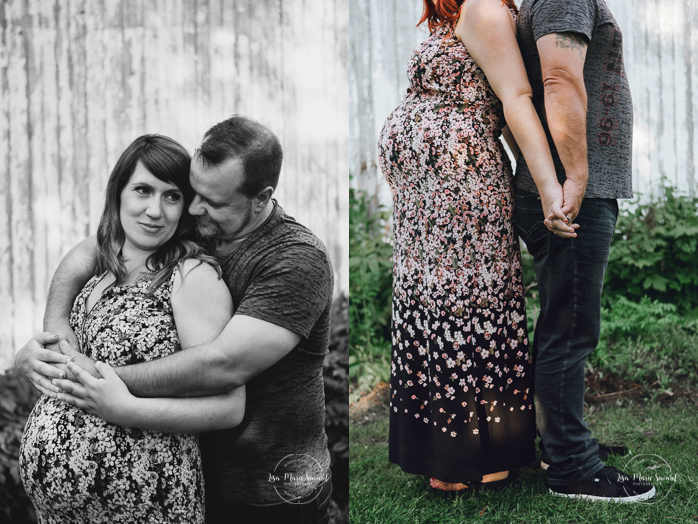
(663, 437)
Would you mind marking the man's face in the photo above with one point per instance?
(221, 211)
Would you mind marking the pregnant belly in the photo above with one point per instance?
(431, 139)
(67, 451)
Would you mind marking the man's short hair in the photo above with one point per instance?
(242, 138)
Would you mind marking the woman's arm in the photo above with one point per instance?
(202, 307)
(488, 31)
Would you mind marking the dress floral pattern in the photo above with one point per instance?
(78, 468)
(461, 384)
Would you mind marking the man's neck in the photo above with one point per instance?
(226, 247)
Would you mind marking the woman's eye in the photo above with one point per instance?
(141, 190)
(173, 197)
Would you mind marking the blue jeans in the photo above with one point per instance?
(570, 274)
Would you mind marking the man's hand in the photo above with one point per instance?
(85, 362)
(105, 395)
(39, 364)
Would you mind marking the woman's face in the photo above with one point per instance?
(150, 211)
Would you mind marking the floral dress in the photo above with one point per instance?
(461, 384)
(79, 469)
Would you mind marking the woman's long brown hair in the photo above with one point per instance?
(446, 12)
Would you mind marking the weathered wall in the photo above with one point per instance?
(660, 46)
(80, 79)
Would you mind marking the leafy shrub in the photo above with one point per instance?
(17, 398)
(336, 375)
(649, 328)
(648, 341)
(626, 319)
(531, 290)
(654, 253)
(370, 290)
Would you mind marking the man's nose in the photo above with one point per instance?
(196, 208)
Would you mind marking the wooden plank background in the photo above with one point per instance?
(80, 79)
(660, 49)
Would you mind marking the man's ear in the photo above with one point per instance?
(263, 198)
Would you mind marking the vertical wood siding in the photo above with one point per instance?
(80, 79)
(660, 50)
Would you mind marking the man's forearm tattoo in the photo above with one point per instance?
(571, 41)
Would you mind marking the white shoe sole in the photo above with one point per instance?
(635, 498)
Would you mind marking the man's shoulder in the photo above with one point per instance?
(284, 247)
(538, 18)
(287, 233)
(528, 4)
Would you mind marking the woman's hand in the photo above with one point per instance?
(106, 396)
(555, 219)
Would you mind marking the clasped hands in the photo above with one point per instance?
(561, 207)
(68, 375)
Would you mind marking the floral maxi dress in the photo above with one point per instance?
(461, 402)
(80, 469)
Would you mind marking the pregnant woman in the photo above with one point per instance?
(461, 385)
(154, 293)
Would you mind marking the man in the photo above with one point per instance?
(572, 50)
(281, 282)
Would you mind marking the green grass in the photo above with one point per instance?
(380, 493)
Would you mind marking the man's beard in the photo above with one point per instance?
(207, 230)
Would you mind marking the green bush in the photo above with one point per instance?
(17, 398)
(336, 376)
(648, 341)
(649, 328)
(370, 290)
(654, 253)
(531, 290)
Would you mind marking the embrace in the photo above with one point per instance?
(549, 78)
(199, 308)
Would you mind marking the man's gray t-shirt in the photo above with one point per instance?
(609, 105)
(280, 274)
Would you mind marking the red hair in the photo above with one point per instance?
(446, 12)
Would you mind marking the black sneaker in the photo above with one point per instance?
(608, 484)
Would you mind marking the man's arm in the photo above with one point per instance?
(35, 360)
(107, 397)
(72, 274)
(291, 291)
(246, 347)
(202, 307)
(562, 57)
